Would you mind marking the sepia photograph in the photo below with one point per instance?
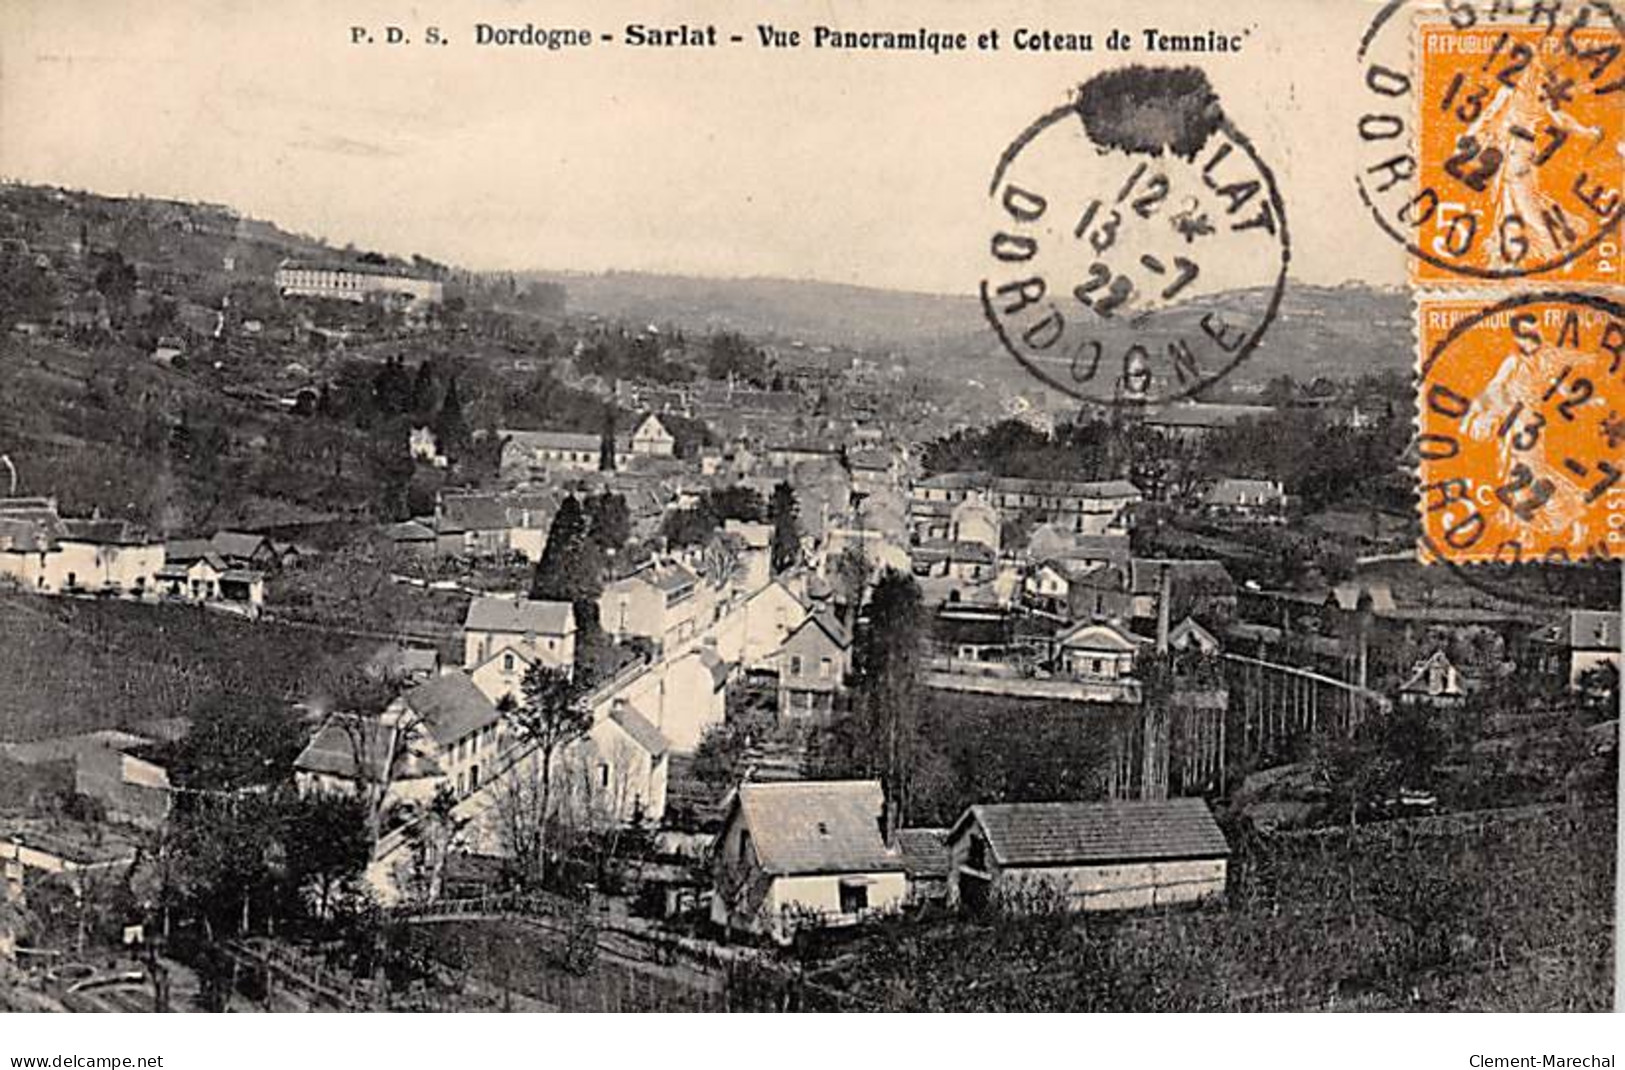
(810, 507)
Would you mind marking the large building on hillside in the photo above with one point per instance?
(1086, 507)
(356, 282)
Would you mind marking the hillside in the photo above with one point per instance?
(77, 666)
(1332, 331)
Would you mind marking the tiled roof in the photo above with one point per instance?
(552, 440)
(519, 616)
(955, 481)
(1067, 488)
(925, 852)
(451, 707)
(1087, 635)
(237, 544)
(831, 625)
(183, 550)
(493, 512)
(817, 826)
(104, 532)
(409, 531)
(334, 751)
(1073, 833)
(643, 733)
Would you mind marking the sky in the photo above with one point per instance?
(860, 168)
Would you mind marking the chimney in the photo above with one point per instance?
(1164, 609)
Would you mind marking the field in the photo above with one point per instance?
(68, 665)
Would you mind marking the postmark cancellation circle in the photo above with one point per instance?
(1139, 245)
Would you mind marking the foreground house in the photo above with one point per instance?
(1096, 856)
(804, 854)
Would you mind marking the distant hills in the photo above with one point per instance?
(1336, 331)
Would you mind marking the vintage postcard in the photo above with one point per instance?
(1024, 506)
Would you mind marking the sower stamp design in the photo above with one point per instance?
(1521, 436)
(1509, 161)
(1139, 245)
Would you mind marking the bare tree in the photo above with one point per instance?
(381, 746)
(549, 716)
(521, 817)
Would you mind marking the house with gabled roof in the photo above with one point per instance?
(1088, 855)
(1583, 640)
(1101, 652)
(651, 439)
(544, 630)
(44, 552)
(804, 853)
(1434, 683)
(813, 664)
(444, 732)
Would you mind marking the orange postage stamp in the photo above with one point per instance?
(1520, 151)
(1521, 428)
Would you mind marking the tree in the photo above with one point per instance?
(609, 520)
(334, 845)
(423, 391)
(606, 443)
(887, 663)
(786, 545)
(550, 716)
(570, 569)
(450, 428)
(852, 573)
(116, 281)
(238, 739)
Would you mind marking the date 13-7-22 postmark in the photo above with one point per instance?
(1521, 428)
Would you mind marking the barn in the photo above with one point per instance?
(1095, 855)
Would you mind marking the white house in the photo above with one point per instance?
(545, 631)
(753, 633)
(424, 447)
(804, 852)
(1099, 651)
(42, 551)
(651, 439)
(443, 733)
(975, 520)
(559, 451)
(659, 603)
(1247, 499)
(1094, 855)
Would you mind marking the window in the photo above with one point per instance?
(603, 774)
(507, 663)
(744, 844)
(473, 777)
(795, 664)
(1097, 666)
(854, 898)
(824, 668)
